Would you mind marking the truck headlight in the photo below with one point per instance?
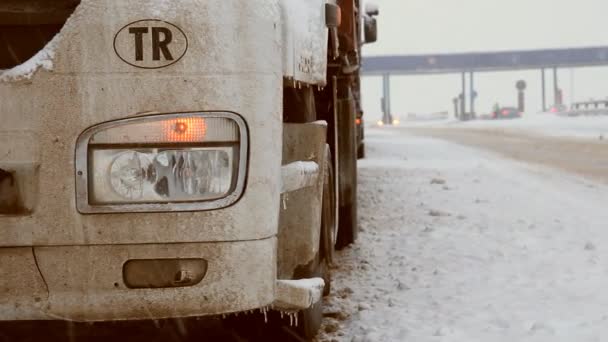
(174, 162)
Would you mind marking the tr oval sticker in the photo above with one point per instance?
(150, 44)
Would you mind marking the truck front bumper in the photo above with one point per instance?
(86, 283)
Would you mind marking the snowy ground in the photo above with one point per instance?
(462, 244)
(543, 123)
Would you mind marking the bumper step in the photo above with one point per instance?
(298, 294)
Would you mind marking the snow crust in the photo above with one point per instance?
(295, 295)
(313, 285)
(459, 244)
(298, 175)
(43, 59)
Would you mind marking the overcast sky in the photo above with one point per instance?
(440, 26)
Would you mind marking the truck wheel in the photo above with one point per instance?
(347, 178)
(309, 320)
(329, 224)
(347, 234)
(361, 152)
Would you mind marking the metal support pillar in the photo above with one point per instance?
(386, 108)
(544, 89)
(463, 97)
(472, 93)
(572, 86)
(555, 87)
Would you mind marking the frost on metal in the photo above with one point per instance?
(43, 59)
(299, 175)
(298, 294)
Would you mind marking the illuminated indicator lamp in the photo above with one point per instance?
(181, 127)
(396, 122)
(380, 123)
(358, 121)
(185, 130)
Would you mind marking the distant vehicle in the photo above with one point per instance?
(427, 116)
(506, 113)
(556, 109)
(591, 107)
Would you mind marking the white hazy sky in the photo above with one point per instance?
(445, 26)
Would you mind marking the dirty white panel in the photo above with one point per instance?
(304, 40)
(85, 77)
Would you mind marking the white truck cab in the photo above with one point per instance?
(148, 168)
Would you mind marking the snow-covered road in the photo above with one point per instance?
(545, 124)
(461, 244)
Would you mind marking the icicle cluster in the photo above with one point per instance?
(293, 317)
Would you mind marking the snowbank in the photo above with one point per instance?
(539, 124)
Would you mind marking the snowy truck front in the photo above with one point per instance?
(139, 162)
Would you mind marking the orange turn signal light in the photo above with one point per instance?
(185, 129)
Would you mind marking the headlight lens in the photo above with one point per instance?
(151, 162)
(158, 175)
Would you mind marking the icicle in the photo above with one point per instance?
(285, 201)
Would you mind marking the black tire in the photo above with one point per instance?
(309, 320)
(361, 151)
(329, 228)
(347, 159)
(347, 234)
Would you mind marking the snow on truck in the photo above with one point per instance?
(167, 159)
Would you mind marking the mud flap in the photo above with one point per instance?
(301, 201)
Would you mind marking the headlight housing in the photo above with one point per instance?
(171, 162)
